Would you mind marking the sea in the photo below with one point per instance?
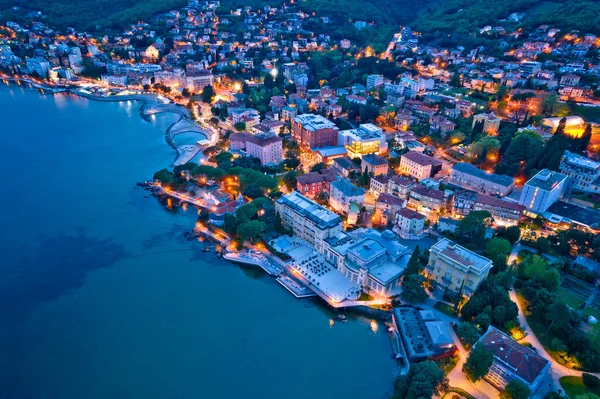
(102, 297)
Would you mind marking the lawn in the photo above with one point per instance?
(568, 298)
(574, 387)
(445, 308)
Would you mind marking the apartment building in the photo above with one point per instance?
(470, 177)
(307, 219)
(409, 224)
(342, 193)
(454, 267)
(314, 131)
(267, 149)
(583, 173)
(419, 166)
(543, 190)
(310, 184)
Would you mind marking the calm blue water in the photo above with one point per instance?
(101, 297)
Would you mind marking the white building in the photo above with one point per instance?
(196, 82)
(307, 219)
(367, 139)
(374, 260)
(374, 81)
(409, 224)
(39, 66)
(543, 190)
(418, 165)
(583, 172)
(342, 193)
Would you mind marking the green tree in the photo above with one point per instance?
(497, 247)
(164, 176)
(240, 126)
(414, 264)
(558, 314)
(289, 179)
(208, 94)
(468, 332)
(412, 288)
(250, 230)
(515, 390)
(512, 233)
(423, 380)
(318, 167)
(478, 363)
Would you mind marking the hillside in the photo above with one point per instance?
(449, 16)
(434, 18)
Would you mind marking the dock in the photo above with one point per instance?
(296, 288)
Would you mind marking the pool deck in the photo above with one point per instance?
(297, 289)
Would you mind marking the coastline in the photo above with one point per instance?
(184, 153)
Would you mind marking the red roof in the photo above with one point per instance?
(421, 159)
(518, 358)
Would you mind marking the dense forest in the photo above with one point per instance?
(463, 16)
(434, 18)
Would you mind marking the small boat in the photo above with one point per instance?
(205, 249)
(342, 317)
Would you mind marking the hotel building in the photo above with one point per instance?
(307, 219)
(314, 131)
(543, 190)
(583, 172)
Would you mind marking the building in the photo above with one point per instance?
(455, 267)
(345, 166)
(307, 219)
(491, 123)
(425, 200)
(583, 173)
(367, 139)
(530, 68)
(378, 184)
(196, 82)
(342, 193)
(409, 224)
(267, 149)
(513, 361)
(374, 81)
(374, 164)
(470, 177)
(503, 212)
(39, 66)
(543, 190)
(400, 186)
(386, 208)
(423, 335)
(314, 131)
(419, 166)
(311, 184)
(374, 260)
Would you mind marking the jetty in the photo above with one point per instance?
(254, 258)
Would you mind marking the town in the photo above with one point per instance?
(454, 190)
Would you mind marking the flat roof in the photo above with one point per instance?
(386, 272)
(546, 179)
(314, 122)
(310, 209)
